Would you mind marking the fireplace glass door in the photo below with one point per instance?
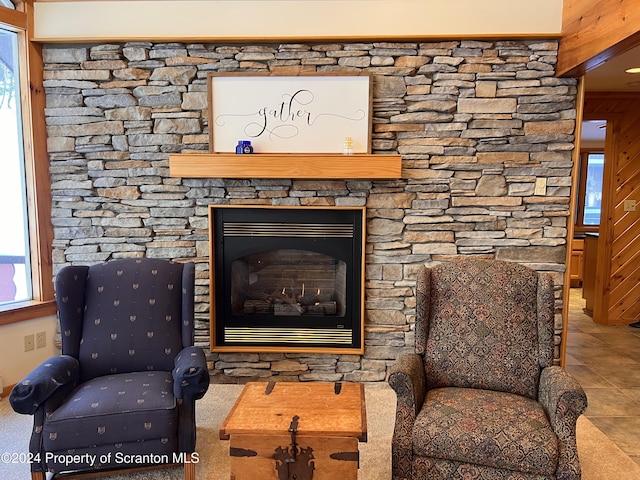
(288, 282)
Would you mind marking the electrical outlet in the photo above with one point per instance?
(629, 205)
(541, 186)
(28, 342)
(41, 339)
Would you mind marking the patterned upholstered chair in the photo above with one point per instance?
(123, 392)
(480, 398)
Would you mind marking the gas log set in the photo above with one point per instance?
(290, 304)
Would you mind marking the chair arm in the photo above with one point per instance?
(190, 374)
(561, 396)
(47, 378)
(407, 378)
(564, 401)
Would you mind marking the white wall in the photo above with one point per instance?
(15, 363)
(281, 19)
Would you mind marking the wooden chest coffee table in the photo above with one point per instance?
(301, 431)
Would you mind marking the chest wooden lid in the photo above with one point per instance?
(324, 409)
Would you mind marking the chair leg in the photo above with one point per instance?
(37, 475)
(189, 469)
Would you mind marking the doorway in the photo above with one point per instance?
(588, 197)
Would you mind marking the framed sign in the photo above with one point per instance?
(289, 114)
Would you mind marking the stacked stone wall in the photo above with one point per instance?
(484, 128)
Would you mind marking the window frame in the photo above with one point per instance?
(36, 158)
(582, 190)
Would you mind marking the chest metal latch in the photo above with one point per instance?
(293, 462)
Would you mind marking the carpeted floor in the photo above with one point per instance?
(601, 459)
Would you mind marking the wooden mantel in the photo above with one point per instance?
(285, 165)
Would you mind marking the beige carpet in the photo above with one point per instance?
(601, 459)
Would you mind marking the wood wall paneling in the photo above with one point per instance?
(625, 248)
(618, 267)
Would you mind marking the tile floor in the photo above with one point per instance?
(606, 362)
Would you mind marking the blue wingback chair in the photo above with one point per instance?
(480, 398)
(122, 393)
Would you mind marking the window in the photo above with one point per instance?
(15, 271)
(26, 287)
(590, 190)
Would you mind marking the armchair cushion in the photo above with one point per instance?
(125, 303)
(486, 428)
(105, 410)
(42, 382)
(479, 333)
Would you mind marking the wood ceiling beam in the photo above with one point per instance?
(593, 32)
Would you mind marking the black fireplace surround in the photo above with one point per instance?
(287, 279)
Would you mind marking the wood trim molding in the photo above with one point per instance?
(37, 164)
(17, 312)
(234, 40)
(13, 19)
(573, 201)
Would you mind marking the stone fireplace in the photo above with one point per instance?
(287, 279)
(485, 130)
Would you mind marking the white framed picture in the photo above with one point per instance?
(290, 114)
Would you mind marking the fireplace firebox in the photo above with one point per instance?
(287, 279)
